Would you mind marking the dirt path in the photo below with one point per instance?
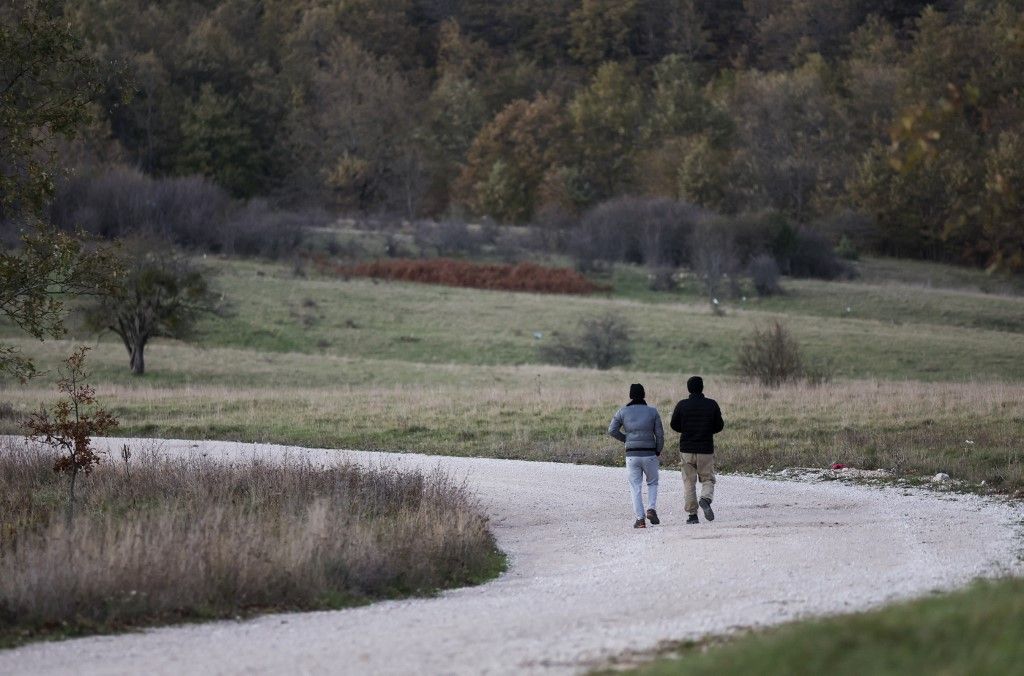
(583, 586)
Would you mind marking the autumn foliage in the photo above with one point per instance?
(528, 277)
(69, 428)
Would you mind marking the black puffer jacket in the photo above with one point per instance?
(697, 420)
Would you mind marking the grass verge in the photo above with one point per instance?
(974, 631)
(165, 540)
(970, 430)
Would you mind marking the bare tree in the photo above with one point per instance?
(714, 261)
(161, 295)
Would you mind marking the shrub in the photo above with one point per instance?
(801, 252)
(121, 201)
(751, 233)
(764, 273)
(256, 229)
(771, 356)
(190, 211)
(655, 231)
(447, 238)
(601, 342)
(528, 277)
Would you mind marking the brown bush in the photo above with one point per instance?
(771, 356)
(179, 538)
(448, 272)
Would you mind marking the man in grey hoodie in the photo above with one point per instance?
(639, 427)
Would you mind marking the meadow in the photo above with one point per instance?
(319, 361)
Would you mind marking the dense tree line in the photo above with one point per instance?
(897, 124)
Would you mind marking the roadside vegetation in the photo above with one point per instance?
(974, 631)
(158, 540)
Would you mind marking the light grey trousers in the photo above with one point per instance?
(637, 467)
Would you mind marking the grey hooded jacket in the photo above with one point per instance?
(639, 426)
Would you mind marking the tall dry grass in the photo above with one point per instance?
(183, 538)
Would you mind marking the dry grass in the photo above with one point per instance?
(559, 414)
(189, 538)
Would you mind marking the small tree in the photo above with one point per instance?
(69, 428)
(771, 356)
(162, 295)
(602, 342)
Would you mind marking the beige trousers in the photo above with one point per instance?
(698, 466)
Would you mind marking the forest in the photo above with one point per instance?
(896, 127)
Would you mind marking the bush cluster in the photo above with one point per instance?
(191, 211)
(653, 231)
(665, 235)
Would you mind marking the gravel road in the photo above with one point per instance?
(583, 586)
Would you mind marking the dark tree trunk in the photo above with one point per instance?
(138, 360)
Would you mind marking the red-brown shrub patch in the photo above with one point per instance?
(448, 272)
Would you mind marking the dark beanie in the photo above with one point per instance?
(636, 391)
(695, 385)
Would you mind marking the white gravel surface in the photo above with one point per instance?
(583, 586)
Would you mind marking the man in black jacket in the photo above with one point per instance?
(698, 419)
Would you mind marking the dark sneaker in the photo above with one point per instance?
(693, 519)
(640, 523)
(652, 516)
(705, 504)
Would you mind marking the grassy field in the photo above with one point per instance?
(976, 631)
(547, 412)
(334, 363)
(271, 310)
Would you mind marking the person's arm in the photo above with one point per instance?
(719, 423)
(659, 431)
(676, 423)
(615, 427)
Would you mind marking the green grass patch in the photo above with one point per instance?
(974, 631)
